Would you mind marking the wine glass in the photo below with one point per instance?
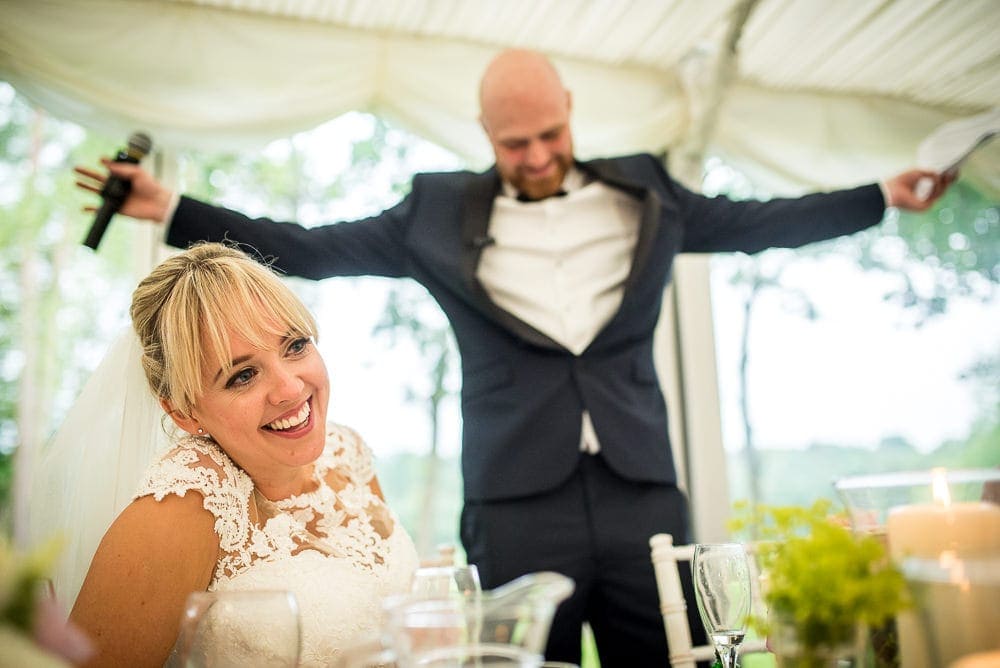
(721, 575)
(446, 581)
(223, 629)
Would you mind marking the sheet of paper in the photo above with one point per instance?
(945, 149)
(950, 144)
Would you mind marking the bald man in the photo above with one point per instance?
(551, 272)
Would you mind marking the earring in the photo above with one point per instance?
(200, 430)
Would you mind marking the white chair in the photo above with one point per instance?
(673, 607)
(445, 557)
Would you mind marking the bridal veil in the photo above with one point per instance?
(89, 471)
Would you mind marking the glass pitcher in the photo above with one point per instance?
(515, 617)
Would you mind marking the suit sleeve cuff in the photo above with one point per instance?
(168, 216)
(885, 193)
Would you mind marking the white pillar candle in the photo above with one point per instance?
(947, 533)
(928, 530)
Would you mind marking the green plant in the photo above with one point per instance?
(821, 578)
(20, 577)
(33, 630)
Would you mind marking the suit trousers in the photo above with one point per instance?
(594, 528)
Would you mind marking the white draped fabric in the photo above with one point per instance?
(92, 467)
(825, 94)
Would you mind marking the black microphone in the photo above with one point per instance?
(482, 241)
(116, 189)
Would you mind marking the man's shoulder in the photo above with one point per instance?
(642, 161)
(435, 188)
(453, 178)
(640, 169)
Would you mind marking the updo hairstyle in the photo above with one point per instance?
(189, 303)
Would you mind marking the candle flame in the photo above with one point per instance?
(939, 486)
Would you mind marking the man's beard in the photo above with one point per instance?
(542, 188)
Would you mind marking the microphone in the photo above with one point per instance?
(116, 189)
(482, 242)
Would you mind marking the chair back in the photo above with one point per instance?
(673, 607)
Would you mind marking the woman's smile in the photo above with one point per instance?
(293, 423)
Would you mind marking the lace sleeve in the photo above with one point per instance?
(201, 466)
(350, 452)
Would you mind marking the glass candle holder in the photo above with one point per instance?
(958, 605)
(872, 499)
(942, 528)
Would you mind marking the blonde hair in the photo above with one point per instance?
(190, 301)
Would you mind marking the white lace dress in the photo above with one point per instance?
(338, 547)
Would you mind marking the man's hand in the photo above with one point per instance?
(903, 192)
(149, 199)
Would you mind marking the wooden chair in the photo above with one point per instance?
(673, 607)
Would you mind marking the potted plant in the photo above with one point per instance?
(823, 584)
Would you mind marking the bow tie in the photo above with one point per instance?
(521, 197)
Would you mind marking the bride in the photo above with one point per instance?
(258, 492)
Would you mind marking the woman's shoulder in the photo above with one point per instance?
(147, 561)
(199, 465)
(172, 513)
(151, 531)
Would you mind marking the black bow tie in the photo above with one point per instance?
(521, 197)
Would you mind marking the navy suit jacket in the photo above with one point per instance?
(522, 392)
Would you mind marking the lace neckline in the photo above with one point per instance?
(316, 494)
(340, 517)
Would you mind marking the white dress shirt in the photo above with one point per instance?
(560, 264)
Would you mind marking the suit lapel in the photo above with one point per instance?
(649, 219)
(477, 207)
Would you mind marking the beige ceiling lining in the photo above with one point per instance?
(240, 72)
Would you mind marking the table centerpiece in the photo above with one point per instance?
(824, 586)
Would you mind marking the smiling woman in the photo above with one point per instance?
(258, 492)
(258, 384)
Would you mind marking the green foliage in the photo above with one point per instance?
(956, 245)
(6, 485)
(821, 577)
(58, 300)
(932, 260)
(799, 477)
(20, 579)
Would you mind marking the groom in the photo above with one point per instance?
(551, 272)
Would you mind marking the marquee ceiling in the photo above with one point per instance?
(818, 93)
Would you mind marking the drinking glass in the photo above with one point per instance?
(445, 581)
(224, 629)
(517, 615)
(721, 575)
(477, 656)
(442, 610)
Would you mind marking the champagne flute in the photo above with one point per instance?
(223, 629)
(722, 588)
